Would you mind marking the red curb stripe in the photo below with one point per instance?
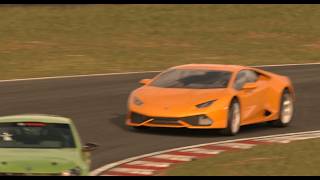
(223, 148)
(191, 154)
(195, 155)
(120, 174)
(141, 167)
(153, 159)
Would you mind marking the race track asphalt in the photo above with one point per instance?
(98, 107)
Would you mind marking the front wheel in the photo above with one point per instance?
(286, 110)
(234, 119)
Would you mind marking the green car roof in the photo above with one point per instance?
(35, 118)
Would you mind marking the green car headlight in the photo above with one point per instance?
(72, 172)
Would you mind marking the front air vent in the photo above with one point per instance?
(138, 118)
(267, 113)
(168, 121)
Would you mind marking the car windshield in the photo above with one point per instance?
(35, 135)
(193, 79)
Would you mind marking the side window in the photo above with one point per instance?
(240, 80)
(252, 76)
(243, 77)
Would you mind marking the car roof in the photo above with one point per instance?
(35, 118)
(221, 67)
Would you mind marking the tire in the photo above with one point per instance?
(286, 110)
(234, 119)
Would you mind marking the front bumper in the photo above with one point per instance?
(200, 121)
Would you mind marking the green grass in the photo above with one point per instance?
(300, 158)
(48, 40)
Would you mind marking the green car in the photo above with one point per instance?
(42, 145)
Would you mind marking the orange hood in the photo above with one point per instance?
(173, 102)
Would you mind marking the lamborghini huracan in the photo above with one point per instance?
(209, 96)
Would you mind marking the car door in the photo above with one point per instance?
(250, 99)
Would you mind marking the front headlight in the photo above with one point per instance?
(204, 121)
(199, 120)
(72, 172)
(137, 101)
(204, 105)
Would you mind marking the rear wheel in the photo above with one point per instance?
(286, 110)
(234, 120)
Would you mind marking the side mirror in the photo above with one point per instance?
(145, 81)
(249, 86)
(89, 147)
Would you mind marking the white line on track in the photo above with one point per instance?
(77, 76)
(238, 145)
(174, 157)
(133, 171)
(141, 72)
(203, 151)
(112, 165)
(150, 164)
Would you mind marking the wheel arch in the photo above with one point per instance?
(235, 98)
(291, 91)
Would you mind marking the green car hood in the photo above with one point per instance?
(39, 161)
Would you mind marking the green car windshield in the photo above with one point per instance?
(36, 135)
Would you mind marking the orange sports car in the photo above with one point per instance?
(207, 96)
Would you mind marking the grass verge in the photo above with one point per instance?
(300, 158)
(49, 40)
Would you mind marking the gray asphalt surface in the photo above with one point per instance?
(98, 107)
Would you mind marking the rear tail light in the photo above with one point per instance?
(32, 124)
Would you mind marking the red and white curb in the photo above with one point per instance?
(153, 163)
